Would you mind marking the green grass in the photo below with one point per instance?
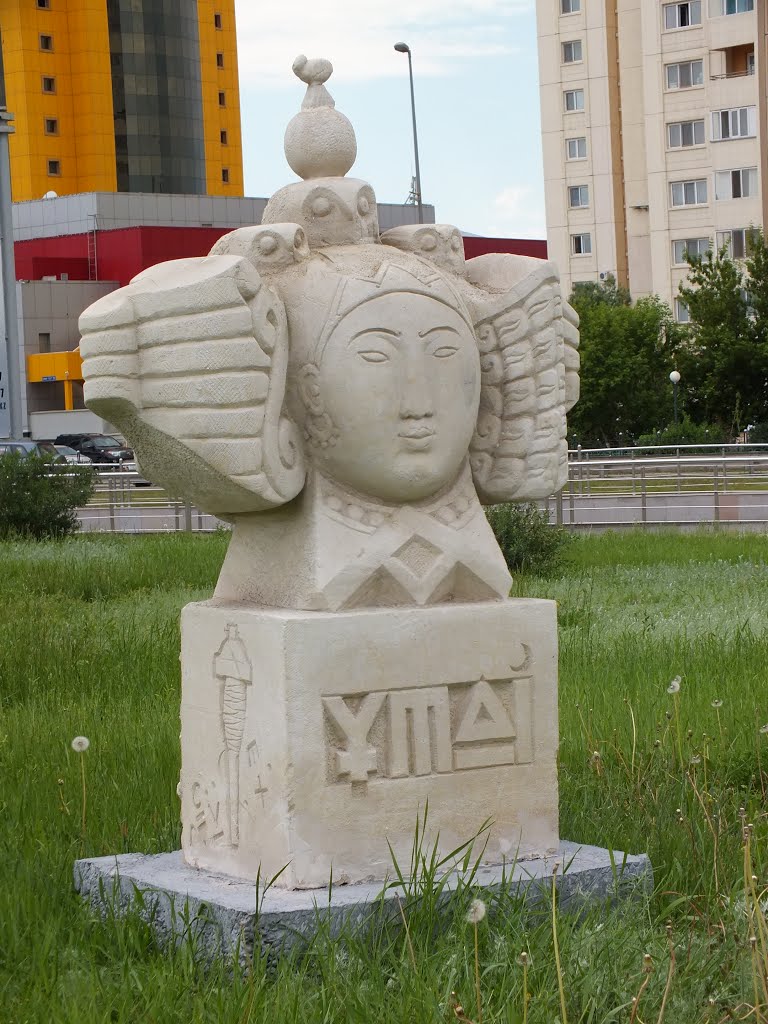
(89, 645)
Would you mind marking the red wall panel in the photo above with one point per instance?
(517, 246)
(124, 252)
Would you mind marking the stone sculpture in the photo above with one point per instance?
(346, 401)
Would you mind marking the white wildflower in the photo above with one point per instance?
(674, 686)
(476, 912)
(80, 744)
(696, 759)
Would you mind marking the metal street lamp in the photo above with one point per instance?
(405, 48)
(675, 378)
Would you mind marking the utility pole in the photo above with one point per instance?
(10, 375)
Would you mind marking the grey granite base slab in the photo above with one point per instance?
(220, 913)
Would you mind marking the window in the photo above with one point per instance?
(737, 242)
(44, 341)
(225, 175)
(578, 195)
(51, 126)
(223, 137)
(54, 167)
(736, 184)
(222, 99)
(682, 314)
(44, 5)
(695, 247)
(581, 245)
(49, 84)
(570, 6)
(217, 21)
(574, 99)
(733, 7)
(682, 15)
(685, 75)
(576, 149)
(689, 193)
(219, 60)
(572, 52)
(685, 133)
(46, 42)
(738, 123)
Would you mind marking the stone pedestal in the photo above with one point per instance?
(311, 741)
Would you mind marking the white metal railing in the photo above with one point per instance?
(606, 487)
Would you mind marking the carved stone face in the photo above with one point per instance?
(399, 379)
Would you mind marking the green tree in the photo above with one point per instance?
(627, 352)
(588, 294)
(39, 498)
(722, 364)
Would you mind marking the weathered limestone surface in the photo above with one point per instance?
(308, 738)
(347, 401)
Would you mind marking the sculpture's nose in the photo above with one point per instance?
(416, 401)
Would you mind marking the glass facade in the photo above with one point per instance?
(157, 96)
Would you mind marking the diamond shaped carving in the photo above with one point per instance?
(418, 556)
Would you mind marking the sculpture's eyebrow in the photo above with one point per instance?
(440, 327)
(375, 330)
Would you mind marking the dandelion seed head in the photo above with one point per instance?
(764, 729)
(674, 686)
(523, 959)
(80, 744)
(717, 703)
(476, 912)
(696, 759)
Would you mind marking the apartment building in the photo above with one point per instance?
(122, 96)
(654, 135)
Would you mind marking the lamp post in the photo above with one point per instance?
(675, 378)
(405, 48)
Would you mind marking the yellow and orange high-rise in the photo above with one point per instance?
(120, 95)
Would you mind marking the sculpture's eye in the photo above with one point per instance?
(321, 206)
(445, 351)
(374, 355)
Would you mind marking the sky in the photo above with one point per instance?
(477, 100)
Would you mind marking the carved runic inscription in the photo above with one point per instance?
(400, 733)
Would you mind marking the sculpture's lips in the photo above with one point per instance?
(417, 438)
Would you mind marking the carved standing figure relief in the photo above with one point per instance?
(345, 399)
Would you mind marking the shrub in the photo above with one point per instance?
(687, 432)
(527, 540)
(758, 434)
(40, 498)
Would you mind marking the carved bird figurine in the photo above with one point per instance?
(315, 71)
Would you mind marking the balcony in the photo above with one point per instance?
(732, 62)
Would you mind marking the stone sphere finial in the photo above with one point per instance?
(319, 141)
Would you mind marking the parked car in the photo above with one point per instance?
(23, 448)
(100, 448)
(71, 456)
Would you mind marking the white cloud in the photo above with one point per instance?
(358, 35)
(520, 212)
